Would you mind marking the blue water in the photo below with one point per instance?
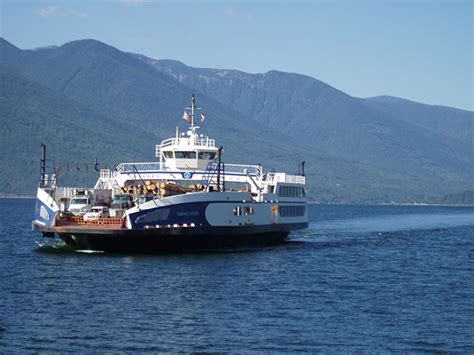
(361, 278)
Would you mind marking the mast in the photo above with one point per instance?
(193, 108)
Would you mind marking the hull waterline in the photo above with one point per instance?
(170, 240)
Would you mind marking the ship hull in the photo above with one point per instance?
(173, 240)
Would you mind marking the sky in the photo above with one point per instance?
(421, 50)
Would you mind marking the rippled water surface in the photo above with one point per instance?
(361, 278)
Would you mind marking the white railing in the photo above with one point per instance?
(132, 167)
(295, 179)
(242, 169)
(270, 177)
(204, 142)
(68, 192)
(104, 173)
(254, 170)
(283, 177)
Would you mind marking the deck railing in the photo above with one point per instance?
(64, 192)
(288, 178)
(154, 166)
(133, 167)
(242, 169)
(201, 141)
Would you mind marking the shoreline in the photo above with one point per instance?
(417, 204)
(16, 197)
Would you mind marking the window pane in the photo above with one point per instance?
(185, 155)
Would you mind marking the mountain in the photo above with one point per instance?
(119, 86)
(448, 121)
(400, 137)
(354, 151)
(32, 114)
(68, 113)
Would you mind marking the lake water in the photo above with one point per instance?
(361, 278)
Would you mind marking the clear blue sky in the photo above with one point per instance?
(420, 50)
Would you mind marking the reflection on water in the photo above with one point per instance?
(87, 251)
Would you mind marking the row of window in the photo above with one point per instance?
(243, 211)
(291, 211)
(284, 211)
(291, 191)
(190, 155)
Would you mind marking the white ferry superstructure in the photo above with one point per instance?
(188, 200)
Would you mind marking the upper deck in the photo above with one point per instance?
(193, 159)
(197, 141)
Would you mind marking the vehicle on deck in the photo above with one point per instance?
(97, 212)
(79, 205)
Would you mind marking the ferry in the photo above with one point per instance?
(187, 200)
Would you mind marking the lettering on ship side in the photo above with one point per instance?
(187, 213)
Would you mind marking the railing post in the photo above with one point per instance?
(219, 169)
(223, 178)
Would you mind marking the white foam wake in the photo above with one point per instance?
(392, 223)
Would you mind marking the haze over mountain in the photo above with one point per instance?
(119, 105)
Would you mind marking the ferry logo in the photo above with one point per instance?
(187, 175)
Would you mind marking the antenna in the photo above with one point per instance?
(193, 109)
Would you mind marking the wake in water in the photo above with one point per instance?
(394, 223)
(53, 246)
(56, 246)
(384, 224)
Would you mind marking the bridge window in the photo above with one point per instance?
(207, 155)
(168, 155)
(291, 191)
(291, 211)
(185, 155)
